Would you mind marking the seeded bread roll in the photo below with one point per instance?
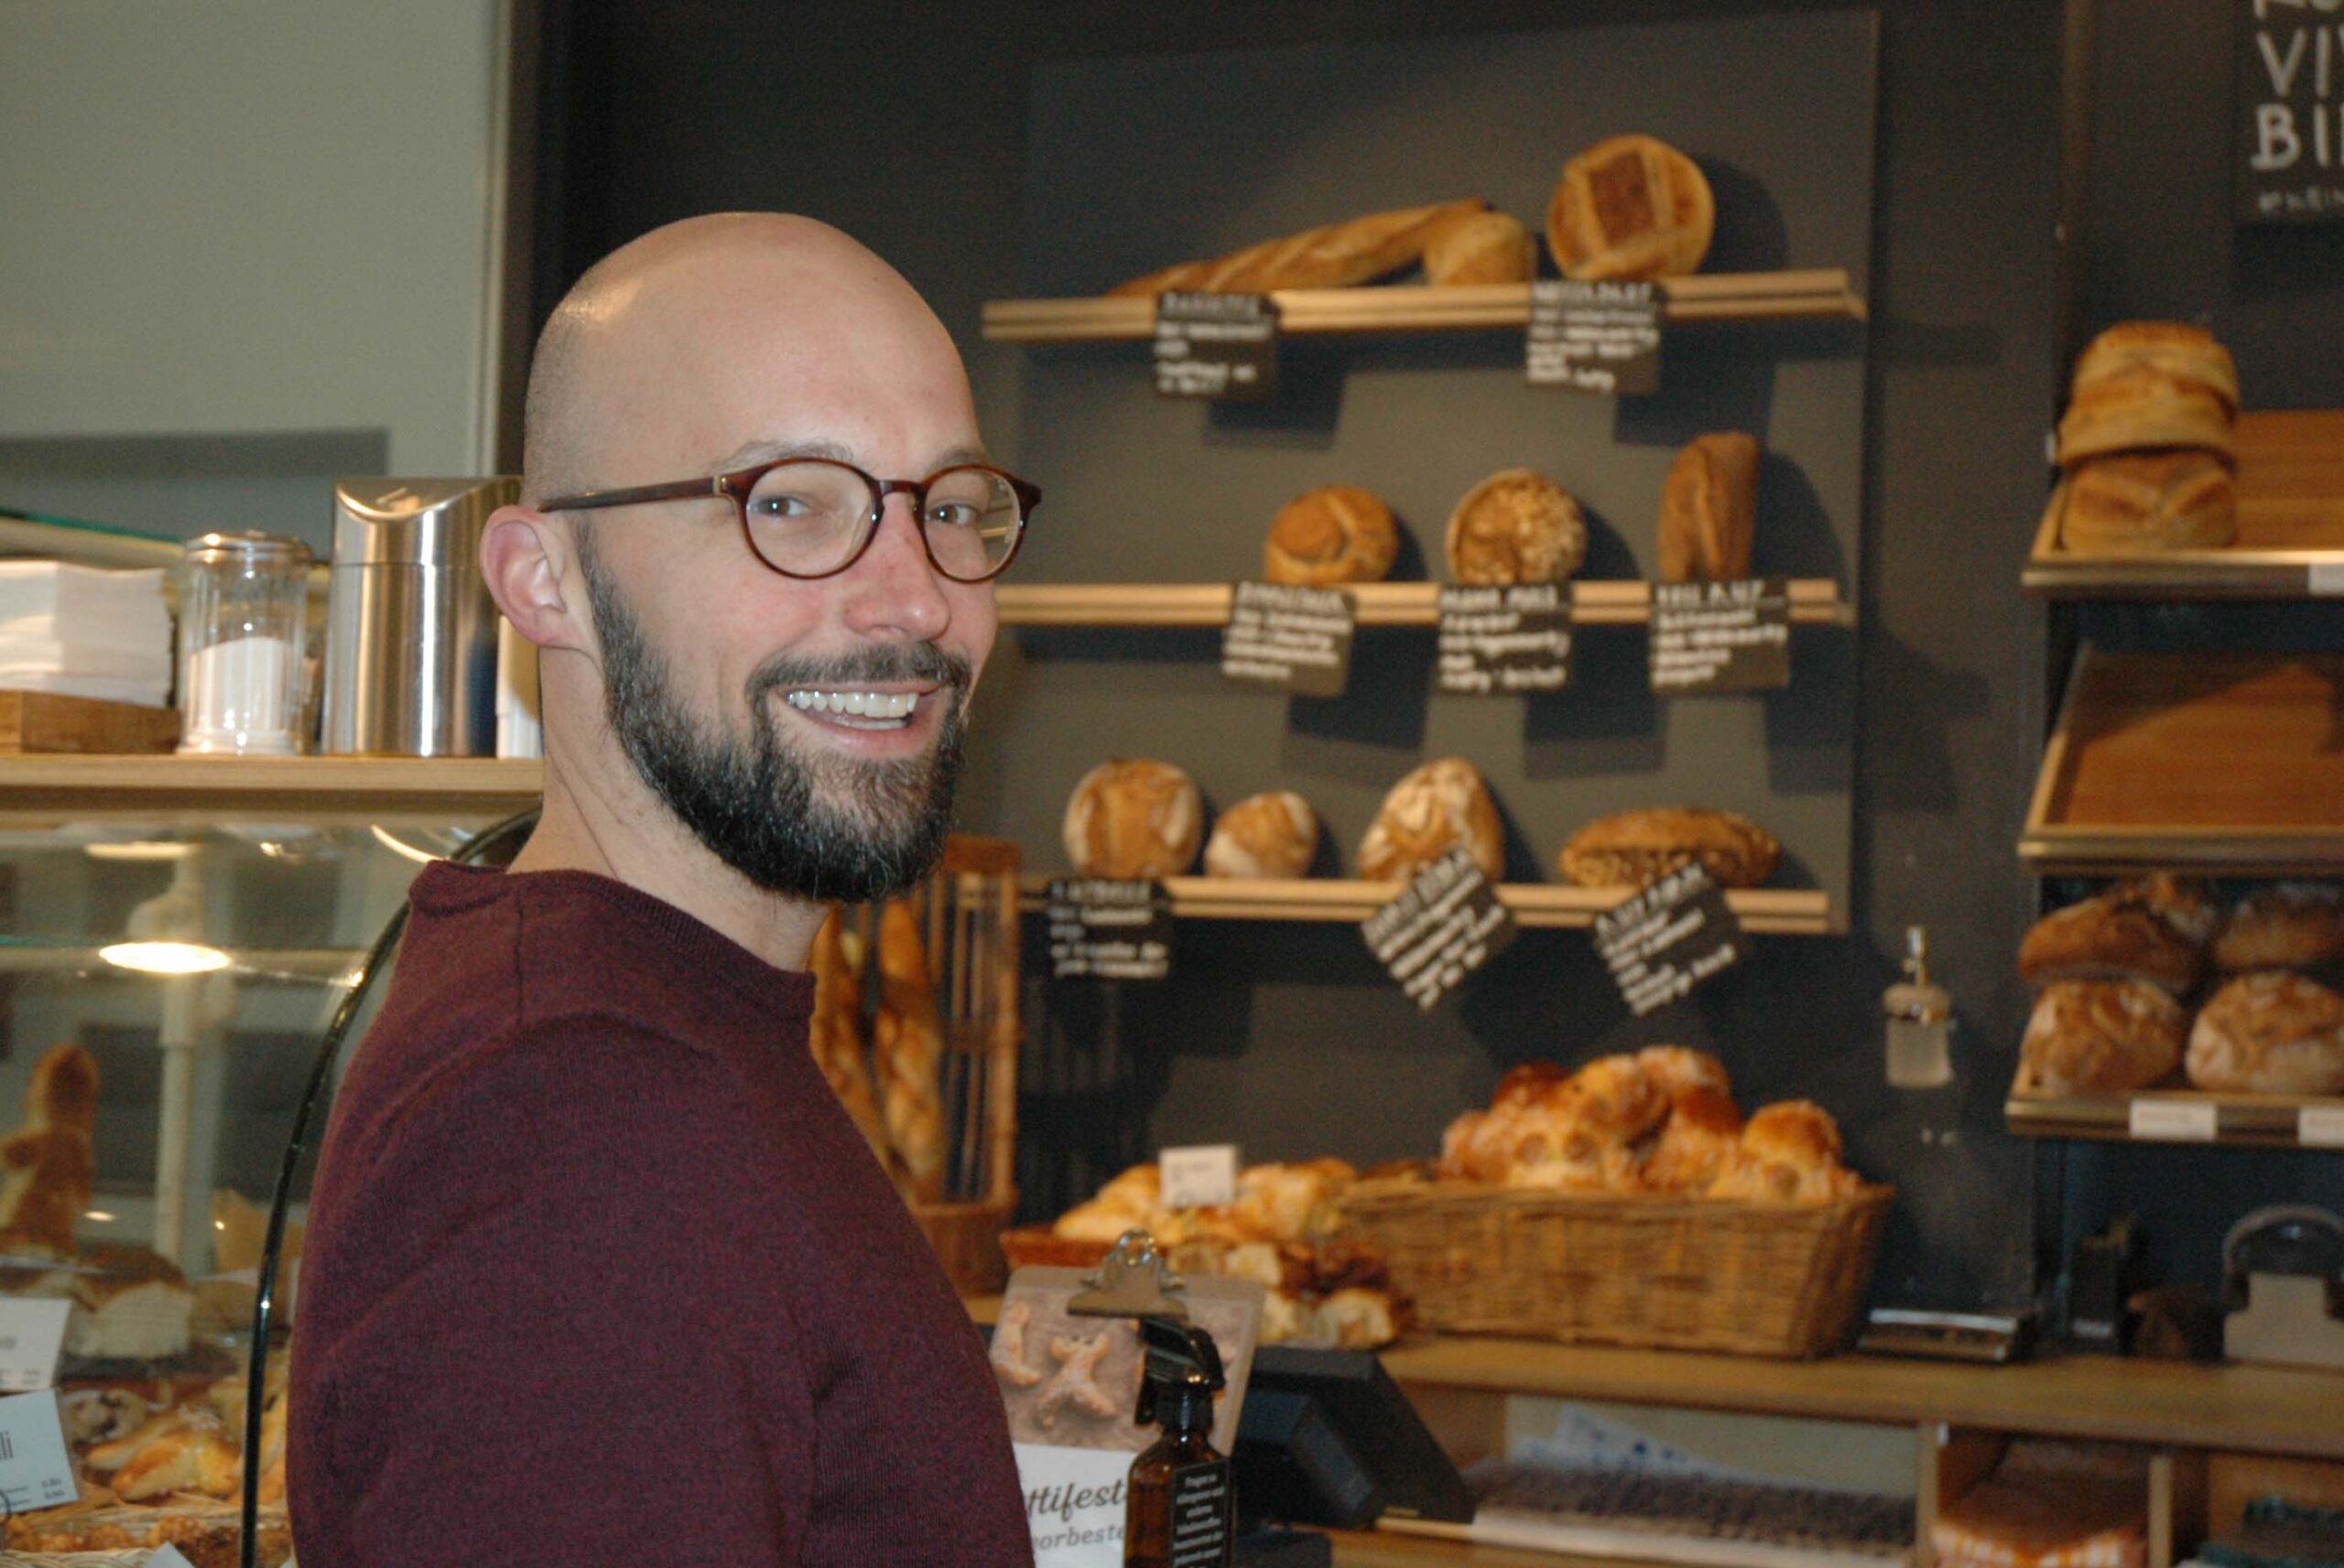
(2102, 1036)
(1483, 247)
(1515, 527)
(1630, 208)
(1437, 805)
(1334, 256)
(2141, 502)
(1708, 509)
(1634, 848)
(1134, 817)
(1264, 836)
(2122, 934)
(2285, 925)
(1335, 535)
(2272, 1033)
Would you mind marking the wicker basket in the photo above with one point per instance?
(1676, 1274)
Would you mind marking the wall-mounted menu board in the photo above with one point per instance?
(2290, 112)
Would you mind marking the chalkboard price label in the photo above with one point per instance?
(1599, 338)
(1445, 924)
(2290, 98)
(1668, 938)
(1289, 639)
(1222, 346)
(1502, 641)
(1104, 929)
(1720, 636)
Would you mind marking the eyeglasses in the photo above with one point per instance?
(813, 517)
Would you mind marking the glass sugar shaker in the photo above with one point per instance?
(244, 633)
(1920, 1021)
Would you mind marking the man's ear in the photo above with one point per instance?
(523, 555)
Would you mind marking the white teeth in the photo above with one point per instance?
(889, 707)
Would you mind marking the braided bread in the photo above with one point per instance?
(908, 1049)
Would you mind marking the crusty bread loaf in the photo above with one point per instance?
(1789, 1152)
(1698, 1143)
(1708, 509)
(2102, 1036)
(1630, 208)
(1134, 816)
(2175, 348)
(1337, 534)
(908, 1053)
(2284, 925)
(1481, 247)
(2274, 1033)
(1333, 256)
(2144, 411)
(1634, 848)
(2141, 502)
(1431, 809)
(1515, 527)
(2124, 934)
(1273, 835)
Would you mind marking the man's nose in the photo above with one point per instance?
(896, 590)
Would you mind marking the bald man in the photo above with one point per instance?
(598, 1270)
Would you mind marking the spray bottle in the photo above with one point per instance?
(1180, 1506)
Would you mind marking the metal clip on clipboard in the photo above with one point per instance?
(1134, 1281)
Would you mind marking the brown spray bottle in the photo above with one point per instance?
(1180, 1506)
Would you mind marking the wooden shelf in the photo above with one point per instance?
(2240, 1121)
(1820, 294)
(2290, 540)
(1780, 912)
(1814, 601)
(322, 790)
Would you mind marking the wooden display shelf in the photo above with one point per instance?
(1814, 601)
(1818, 294)
(1778, 911)
(321, 790)
(2208, 762)
(2290, 541)
(2243, 1120)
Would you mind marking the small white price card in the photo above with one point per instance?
(31, 1333)
(1202, 1176)
(2320, 1127)
(35, 1472)
(2325, 579)
(2173, 1120)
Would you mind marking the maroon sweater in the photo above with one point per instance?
(599, 1273)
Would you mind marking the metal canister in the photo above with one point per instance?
(411, 628)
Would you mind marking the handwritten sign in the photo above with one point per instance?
(1671, 937)
(1289, 639)
(1720, 637)
(2290, 109)
(1216, 345)
(1599, 338)
(1109, 930)
(1502, 641)
(1445, 925)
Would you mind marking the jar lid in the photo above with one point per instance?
(248, 550)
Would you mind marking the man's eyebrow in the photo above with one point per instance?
(770, 450)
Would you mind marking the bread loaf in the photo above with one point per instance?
(2272, 1033)
(1481, 247)
(1708, 509)
(1134, 817)
(1630, 208)
(2174, 349)
(834, 1035)
(1515, 527)
(2125, 933)
(1789, 1152)
(1334, 535)
(1433, 808)
(1698, 1143)
(1334, 256)
(2144, 411)
(1271, 836)
(2102, 1036)
(2141, 502)
(1635, 848)
(907, 1051)
(2285, 925)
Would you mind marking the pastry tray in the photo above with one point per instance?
(2176, 1114)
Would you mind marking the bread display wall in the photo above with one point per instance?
(1134, 817)
(1433, 808)
(1336, 534)
(1334, 256)
(2147, 443)
(1269, 835)
(1634, 848)
(1515, 527)
(1630, 208)
(1708, 509)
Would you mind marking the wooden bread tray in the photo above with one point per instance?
(47, 723)
(2172, 1111)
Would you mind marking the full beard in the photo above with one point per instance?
(818, 827)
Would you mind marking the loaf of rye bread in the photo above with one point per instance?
(1639, 847)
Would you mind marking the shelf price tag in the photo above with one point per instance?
(1445, 925)
(1289, 639)
(1720, 636)
(1502, 641)
(1222, 346)
(1202, 1175)
(1109, 930)
(1599, 338)
(1668, 938)
(32, 1332)
(2173, 1120)
(2324, 579)
(35, 1472)
(2320, 1127)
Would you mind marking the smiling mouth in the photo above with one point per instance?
(855, 709)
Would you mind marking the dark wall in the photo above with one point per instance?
(905, 125)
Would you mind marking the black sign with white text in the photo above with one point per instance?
(1600, 338)
(1502, 641)
(1668, 938)
(1216, 345)
(1445, 924)
(1289, 639)
(2289, 113)
(1720, 636)
(1109, 930)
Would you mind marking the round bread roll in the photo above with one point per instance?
(2285, 925)
(1334, 535)
(1434, 807)
(1635, 848)
(2175, 348)
(1789, 1153)
(1679, 1070)
(1134, 817)
(2272, 1033)
(1264, 836)
(1577, 1135)
(1698, 1143)
(1486, 247)
(1515, 527)
(2121, 934)
(1630, 208)
(2102, 1036)
(2141, 502)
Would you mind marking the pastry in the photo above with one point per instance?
(2172, 349)
(2102, 1036)
(47, 1168)
(1639, 847)
(907, 1051)
(129, 1304)
(1335, 535)
(2125, 932)
(2140, 503)
(1680, 1070)
(1132, 817)
(1515, 527)
(1334, 256)
(1130, 1202)
(2142, 412)
(1630, 208)
(1355, 1318)
(2285, 925)
(1789, 1152)
(1434, 808)
(1271, 836)
(834, 1034)
(2272, 1033)
(1698, 1140)
(1560, 1132)
(1708, 509)
(1481, 247)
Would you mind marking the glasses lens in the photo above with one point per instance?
(807, 517)
(972, 523)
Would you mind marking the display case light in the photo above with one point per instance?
(165, 958)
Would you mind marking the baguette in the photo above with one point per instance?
(835, 1033)
(1334, 256)
(907, 1047)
